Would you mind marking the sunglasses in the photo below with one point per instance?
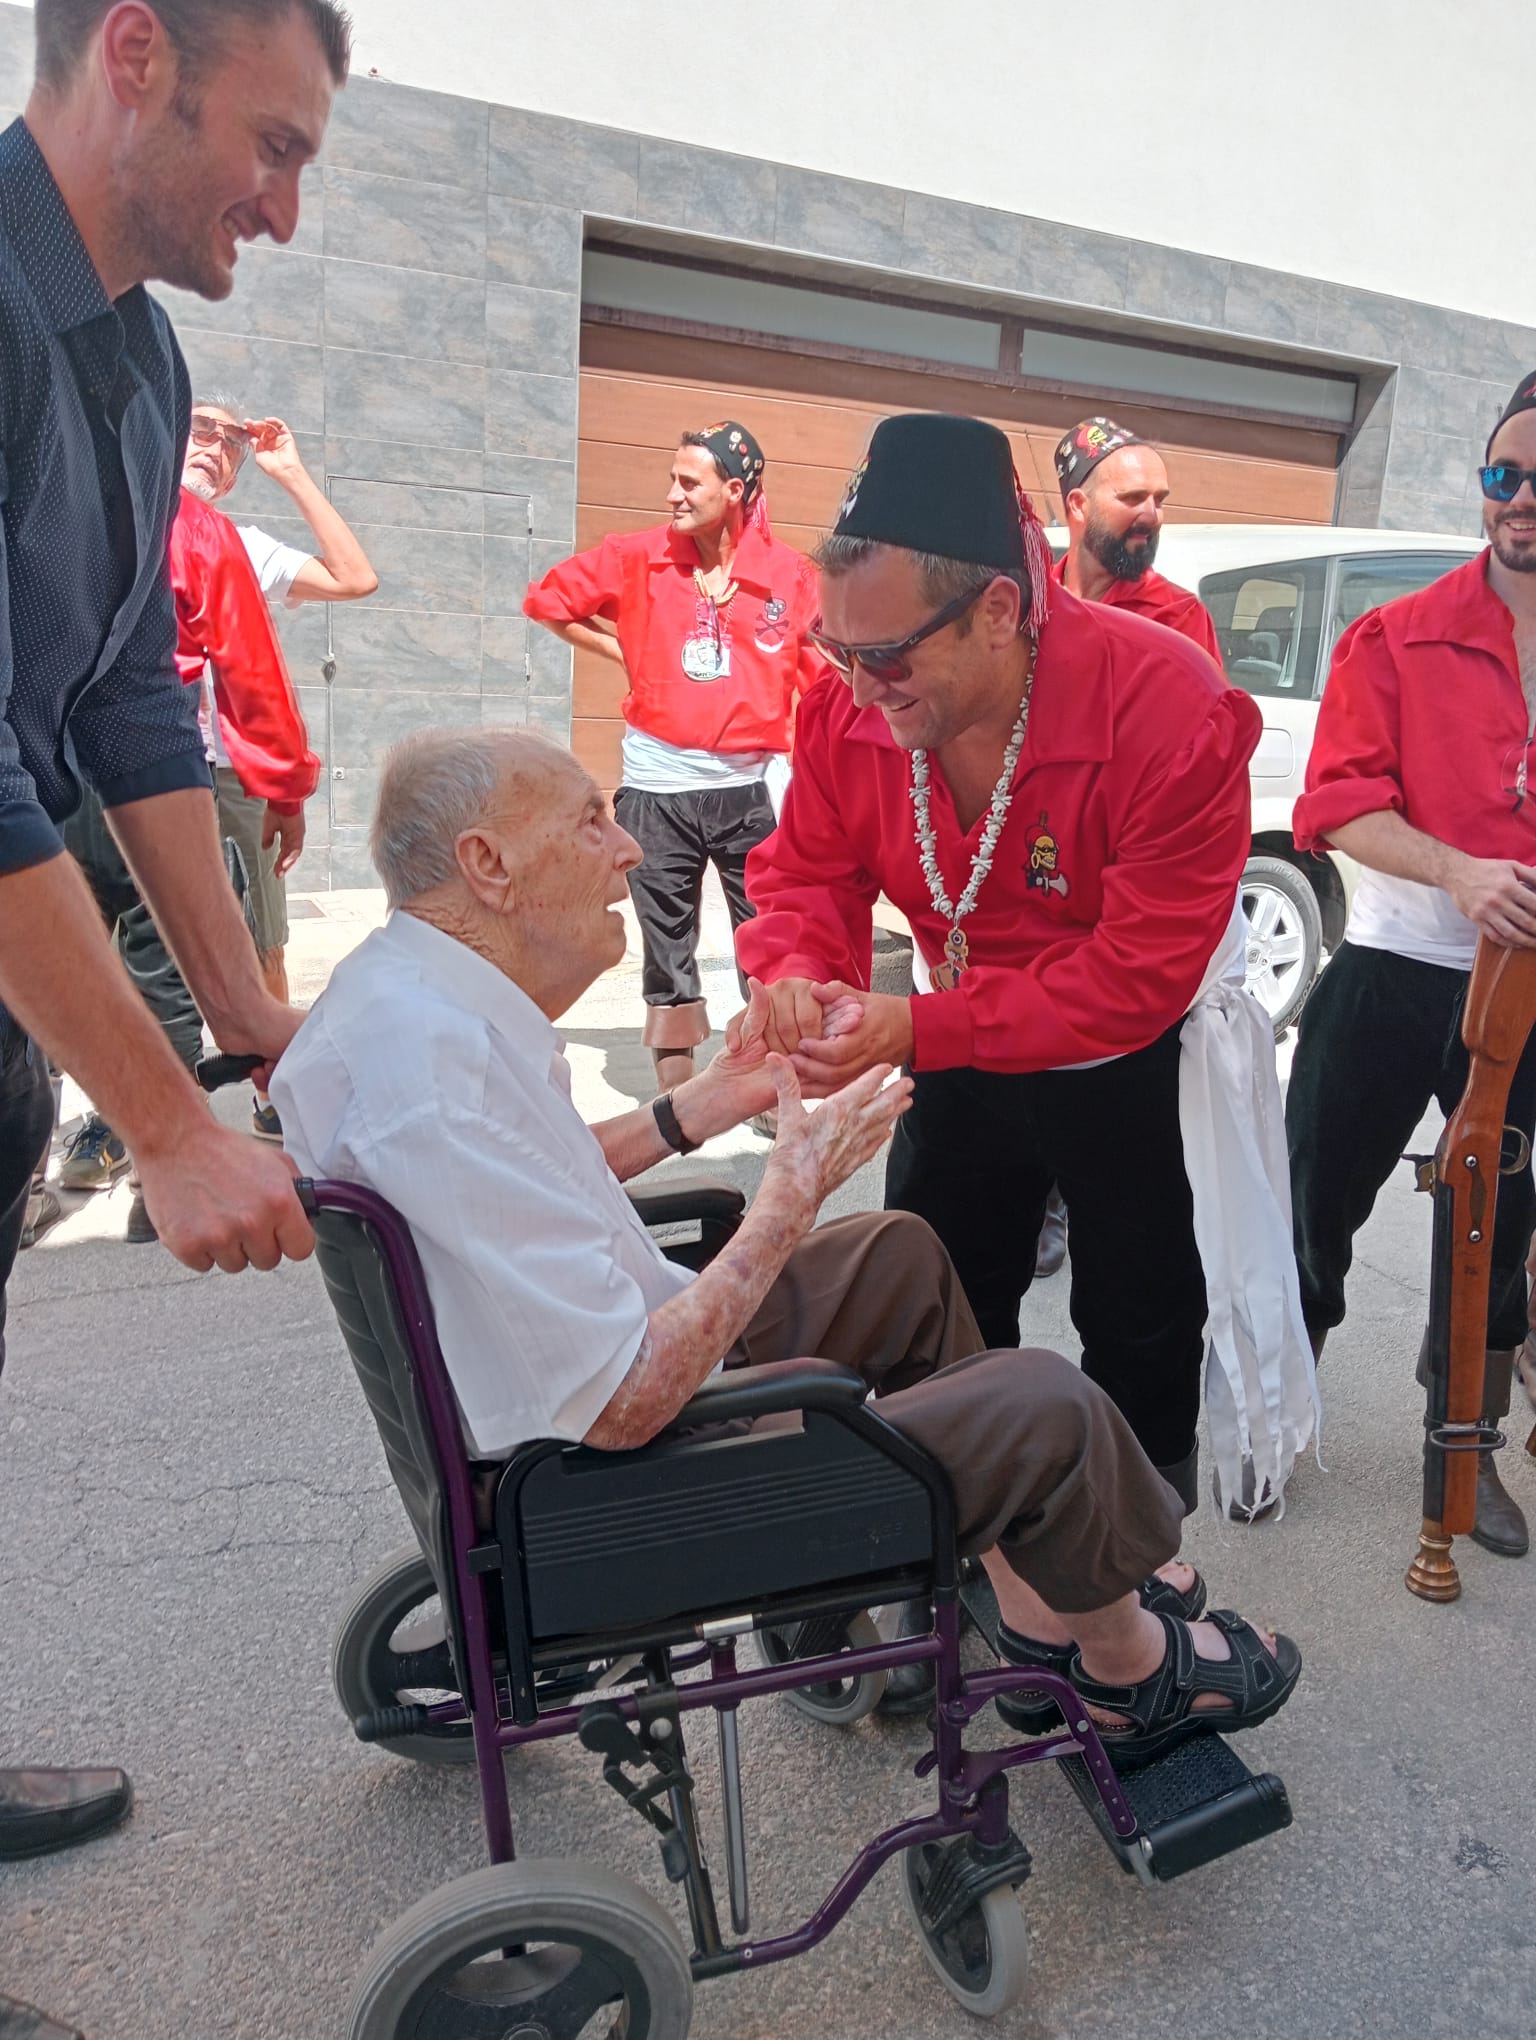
(1502, 483)
(210, 432)
(890, 664)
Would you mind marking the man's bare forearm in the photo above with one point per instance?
(632, 1142)
(171, 843)
(688, 1336)
(1387, 843)
(336, 543)
(587, 637)
(61, 979)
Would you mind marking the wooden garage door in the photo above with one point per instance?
(640, 391)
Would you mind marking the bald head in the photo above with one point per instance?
(439, 783)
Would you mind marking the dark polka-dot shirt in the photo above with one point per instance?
(94, 406)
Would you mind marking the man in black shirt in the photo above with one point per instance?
(157, 138)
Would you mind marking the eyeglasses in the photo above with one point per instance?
(209, 432)
(1501, 484)
(890, 664)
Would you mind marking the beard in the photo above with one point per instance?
(1517, 555)
(163, 216)
(196, 483)
(1124, 556)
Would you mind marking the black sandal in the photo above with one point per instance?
(1034, 1715)
(1160, 1710)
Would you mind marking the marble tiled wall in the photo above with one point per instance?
(420, 336)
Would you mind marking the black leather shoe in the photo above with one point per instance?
(910, 1688)
(1500, 1526)
(25, 2022)
(45, 1809)
(1051, 1249)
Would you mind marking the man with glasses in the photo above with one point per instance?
(1420, 772)
(1056, 796)
(706, 617)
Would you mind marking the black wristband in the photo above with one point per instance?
(665, 1116)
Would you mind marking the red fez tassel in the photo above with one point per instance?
(1037, 560)
(757, 516)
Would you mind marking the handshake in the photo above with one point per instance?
(829, 1033)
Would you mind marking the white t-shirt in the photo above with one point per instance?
(1418, 921)
(277, 568)
(651, 765)
(426, 1075)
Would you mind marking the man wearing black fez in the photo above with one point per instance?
(1420, 771)
(1055, 793)
(708, 616)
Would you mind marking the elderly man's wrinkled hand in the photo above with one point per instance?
(737, 1082)
(793, 1012)
(822, 1149)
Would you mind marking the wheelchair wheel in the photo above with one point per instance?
(982, 1958)
(836, 1702)
(557, 1950)
(392, 1649)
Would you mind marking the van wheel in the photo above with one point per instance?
(1285, 937)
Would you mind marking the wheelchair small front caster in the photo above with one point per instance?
(536, 1947)
(834, 1702)
(981, 1955)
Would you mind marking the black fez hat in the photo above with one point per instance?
(933, 483)
(1081, 450)
(1524, 399)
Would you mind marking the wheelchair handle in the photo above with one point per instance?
(213, 1072)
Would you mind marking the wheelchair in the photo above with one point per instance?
(604, 1596)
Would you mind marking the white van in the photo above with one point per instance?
(1281, 595)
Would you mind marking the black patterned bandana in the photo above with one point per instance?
(1524, 399)
(738, 453)
(1085, 446)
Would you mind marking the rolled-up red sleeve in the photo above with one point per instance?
(813, 896)
(586, 585)
(1168, 895)
(1355, 764)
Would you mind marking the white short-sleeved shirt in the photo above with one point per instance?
(277, 568)
(425, 1074)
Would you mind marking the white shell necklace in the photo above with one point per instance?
(946, 975)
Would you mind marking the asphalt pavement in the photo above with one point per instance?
(190, 1487)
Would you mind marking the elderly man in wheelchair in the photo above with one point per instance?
(617, 1465)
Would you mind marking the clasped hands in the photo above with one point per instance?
(830, 1033)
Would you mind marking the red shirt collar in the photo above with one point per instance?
(752, 566)
(1462, 609)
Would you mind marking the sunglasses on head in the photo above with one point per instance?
(890, 664)
(1501, 482)
(213, 432)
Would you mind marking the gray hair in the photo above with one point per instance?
(221, 400)
(436, 784)
(940, 580)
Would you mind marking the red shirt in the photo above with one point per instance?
(1424, 715)
(222, 621)
(643, 582)
(1162, 602)
(1114, 877)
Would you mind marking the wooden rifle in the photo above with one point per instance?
(1496, 1023)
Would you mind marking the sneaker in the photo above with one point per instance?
(43, 1213)
(138, 1232)
(94, 1159)
(265, 1123)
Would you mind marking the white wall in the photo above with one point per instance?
(1336, 138)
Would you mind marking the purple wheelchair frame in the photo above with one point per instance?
(972, 1785)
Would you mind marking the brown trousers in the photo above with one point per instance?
(1041, 1462)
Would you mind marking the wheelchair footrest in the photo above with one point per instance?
(1198, 1802)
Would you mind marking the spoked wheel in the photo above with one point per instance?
(982, 1958)
(836, 1702)
(534, 1950)
(391, 1650)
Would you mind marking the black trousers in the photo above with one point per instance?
(1379, 1038)
(147, 960)
(681, 834)
(26, 1124)
(976, 1156)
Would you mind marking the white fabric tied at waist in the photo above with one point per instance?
(1261, 1400)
